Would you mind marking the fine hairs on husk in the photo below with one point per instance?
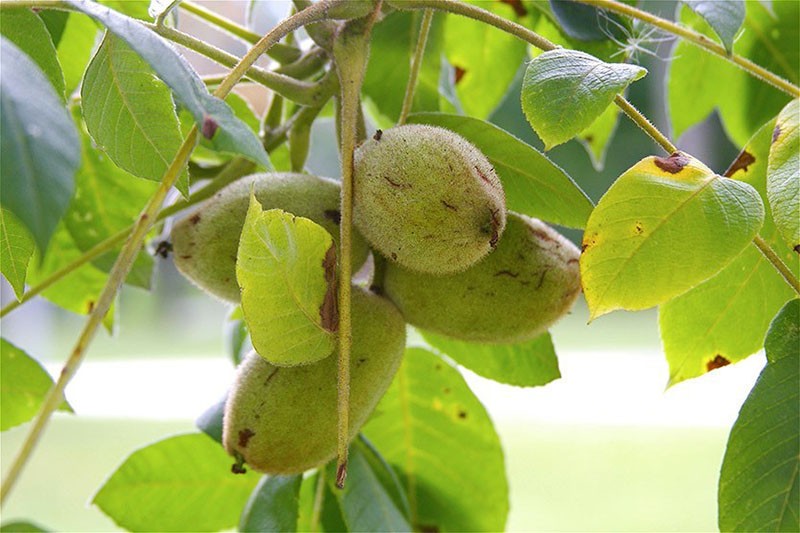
(427, 199)
(205, 243)
(283, 420)
(514, 294)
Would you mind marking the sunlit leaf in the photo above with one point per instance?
(759, 485)
(16, 248)
(286, 269)
(420, 427)
(75, 49)
(485, 58)
(533, 184)
(40, 146)
(273, 506)
(182, 483)
(213, 117)
(525, 364)
(783, 174)
(23, 386)
(665, 225)
(564, 91)
(129, 112)
(724, 319)
(724, 16)
(25, 29)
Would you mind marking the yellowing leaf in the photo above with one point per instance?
(286, 270)
(783, 174)
(666, 225)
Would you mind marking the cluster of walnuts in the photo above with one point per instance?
(456, 263)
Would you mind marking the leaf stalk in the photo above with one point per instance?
(416, 63)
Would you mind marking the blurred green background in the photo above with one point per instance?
(603, 449)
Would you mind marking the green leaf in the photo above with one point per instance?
(237, 337)
(25, 29)
(16, 248)
(22, 527)
(525, 364)
(182, 483)
(365, 502)
(759, 485)
(695, 76)
(533, 184)
(213, 116)
(129, 113)
(707, 327)
(40, 146)
(107, 200)
(420, 427)
(724, 16)
(286, 270)
(79, 290)
(564, 91)
(273, 506)
(210, 421)
(75, 49)
(584, 22)
(665, 225)
(23, 386)
(55, 22)
(598, 135)
(486, 59)
(783, 174)
(392, 44)
(319, 509)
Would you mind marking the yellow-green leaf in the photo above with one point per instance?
(666, 225)
(16, 248)
(286, 268)
(783, 174)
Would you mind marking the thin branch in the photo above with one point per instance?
(779, 265)
(698, 39)
(416, 63)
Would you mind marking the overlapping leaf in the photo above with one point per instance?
(182, 483)
(273, 505)
(129, 113)
(724, 16)
(564, 91)
(286, 268)
(40, 146)
(420, 427)
(16, 248)
(783, 174)
(666, 225)
(724, 319)
(759, 484)
(75, 49)
(213, 116)
(534, 185)
(525, 364)
(25, 29)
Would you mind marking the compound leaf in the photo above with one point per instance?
(564, 91)
(526, 364)
(182, 483)
(286, 268)
(759, 485)
(534, 185)
(724, 16)
(420, 426)
(783, 174)
(665, 225)
(40, 146)
(129, 112)
(16, 248)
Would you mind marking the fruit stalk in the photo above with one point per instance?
(416, 63)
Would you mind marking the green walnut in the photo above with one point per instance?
(514, 294)
(427, 199)
(206, 242)
(283, 420)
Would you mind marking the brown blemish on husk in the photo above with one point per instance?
(396, 184)
(244, 437)
(328, 311)
(194, 219)
(506, 273)
(672, 164)
(717, 362)
(378, 135)
(449, 206)
(744, 160)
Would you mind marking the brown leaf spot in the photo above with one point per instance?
(334, 215)
(796, 248)
(90, 306)
(328, 311)
(462, 414)
(516, 5)
(459, 74)
(776, 133)
(638, 228)
(672, 164)
(449, 206)
(589, 139)
(717, 362)
(744, 160)
(244, 437)
(194, 219)
(209, 127)
(378, 135)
